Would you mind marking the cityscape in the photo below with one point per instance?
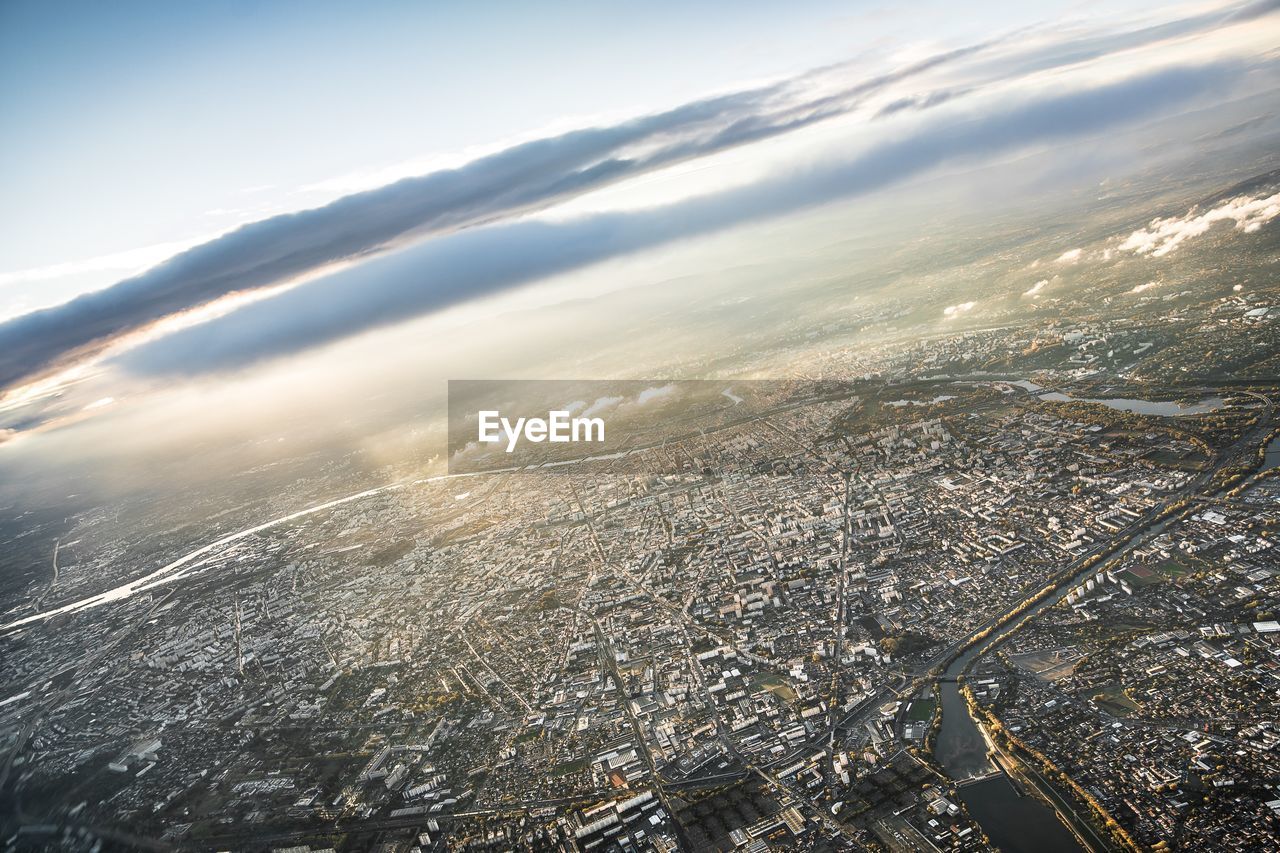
(959, 532)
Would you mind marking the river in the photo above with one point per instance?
(1271, 459)
(1014, 822)
(1017, 823)
(1161, 408)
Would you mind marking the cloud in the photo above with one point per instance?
(99, 403)
(1162, 236)
(1037, 287)
(539, 173)
(1253, 11)
(481, 261)
(920, 102)
(648, 395)
(514, 181)
(130, 259)
(1070, 256)
(602, 404)
(953, 311)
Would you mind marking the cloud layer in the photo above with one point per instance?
(518, 180)
(473, 263)
(477, 248)
(1162, 236)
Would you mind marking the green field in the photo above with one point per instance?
(921, 710)
(1175, 567)
(1113, 700)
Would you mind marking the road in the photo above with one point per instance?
(997, 631)
(610, 660)
(961, 655)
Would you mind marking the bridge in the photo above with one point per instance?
(980, 777)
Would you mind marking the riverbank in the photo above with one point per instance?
(1097, 831)
(961, 730)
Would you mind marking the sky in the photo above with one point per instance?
(189, 192)
(136, 128)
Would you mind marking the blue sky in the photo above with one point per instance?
(134, 120)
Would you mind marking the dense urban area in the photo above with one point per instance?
(1028, 571)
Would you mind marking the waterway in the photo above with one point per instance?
(1014, 822)
(1272, 457)
(1161, 408)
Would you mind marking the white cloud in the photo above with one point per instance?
(1037, 287)
(1141, 287)
(130, 260)
(601, 405)
(953, 311)
(1162, 236)
(1070, 256)
(650, 394)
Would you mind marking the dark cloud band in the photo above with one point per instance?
(470, 264)
(518, 180)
